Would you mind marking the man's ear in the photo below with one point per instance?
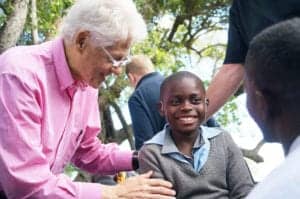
(131, 79)
(81, 40)
(160, 107)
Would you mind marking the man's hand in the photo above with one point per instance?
(140, 187)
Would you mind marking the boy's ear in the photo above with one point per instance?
(206, 103)
(262, 107)
(160, 108)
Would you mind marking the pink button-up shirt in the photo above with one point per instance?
(47, 120)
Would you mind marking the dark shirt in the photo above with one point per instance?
(143, 108)
(249, 17)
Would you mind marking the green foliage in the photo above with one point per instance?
(227, 114)
(71, 171)
(169, 46)
(49, 13)
(6, 7)
(162, 58)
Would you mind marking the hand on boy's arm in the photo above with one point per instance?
(140, 187)
(148, 162)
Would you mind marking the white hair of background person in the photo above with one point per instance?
(108, 21)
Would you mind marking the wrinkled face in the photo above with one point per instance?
(183, 105)
(93, 64)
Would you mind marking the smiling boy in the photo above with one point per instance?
(199, 161)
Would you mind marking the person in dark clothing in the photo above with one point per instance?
(272, 85)
(247, 18)
(201, 162)
(146, 120)
(143, 103)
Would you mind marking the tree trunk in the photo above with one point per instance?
(12, 29)
(34, 23)
(124, 124)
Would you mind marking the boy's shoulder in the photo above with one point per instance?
(212, 132)
(157, 139)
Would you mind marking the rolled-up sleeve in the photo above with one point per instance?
(96, 157)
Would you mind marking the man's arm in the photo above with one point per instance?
(25, 169)
(223, 85)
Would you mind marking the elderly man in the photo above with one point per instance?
(49, 112)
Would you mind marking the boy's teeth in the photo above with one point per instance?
(186, 118)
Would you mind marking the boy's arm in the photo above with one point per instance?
(239, 178)
(148, 160)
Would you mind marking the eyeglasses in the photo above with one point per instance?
(117, 63)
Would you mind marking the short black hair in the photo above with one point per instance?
(273, 62)
(179, 76)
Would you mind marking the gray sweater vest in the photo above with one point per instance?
(224, 175)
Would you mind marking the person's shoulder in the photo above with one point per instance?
(21, 60)
(212, 132)
(150, 80)
(157, 139)
(150, 150)
(275, 184)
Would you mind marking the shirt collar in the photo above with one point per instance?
(163, 137)
(62, 68)
(170, 147)
(201, 146)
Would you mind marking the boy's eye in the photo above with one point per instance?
(175, 101)
(196, 100)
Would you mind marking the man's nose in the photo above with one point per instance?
(116, 70)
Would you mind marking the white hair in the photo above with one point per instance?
(108, 21)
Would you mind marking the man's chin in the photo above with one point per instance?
(96, 84)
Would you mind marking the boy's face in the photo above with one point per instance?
(183, 105)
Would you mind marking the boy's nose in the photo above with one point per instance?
(186, 106)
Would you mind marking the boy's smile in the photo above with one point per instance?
(184, 105)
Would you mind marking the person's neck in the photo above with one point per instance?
(185, 142)
(71, 63)
(287, 130)
(139, 77)
(287, 143)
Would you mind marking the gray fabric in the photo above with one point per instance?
(224, 175)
